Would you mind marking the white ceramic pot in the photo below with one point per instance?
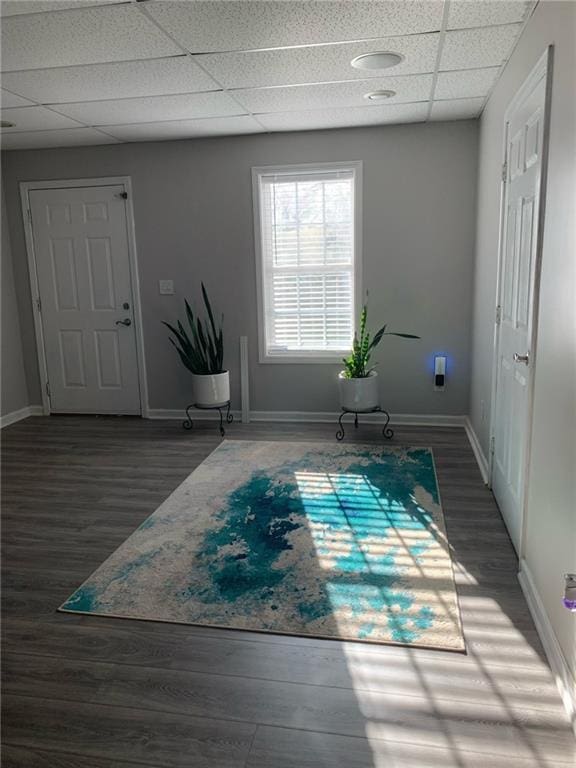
(358, 394)
(211, 389)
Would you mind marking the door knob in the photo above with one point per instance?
(521, 358)
(126, 321)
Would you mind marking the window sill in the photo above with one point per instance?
(312, 358)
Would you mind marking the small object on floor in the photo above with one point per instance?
(386, 431)
(569, 598)
(188, 423)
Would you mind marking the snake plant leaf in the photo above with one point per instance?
(203, 342)
(185, 359)
(182, 338)
(201, 348)
(209, 310)
(356, 365)
(377, 337)
(189, 313)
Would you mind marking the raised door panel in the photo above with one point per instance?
(72, 359)
(533, 139)
(96, 210)
(502, 441)
(64, 273)
(100, 273)
(58, 214)
(524, 286)
(108, 359)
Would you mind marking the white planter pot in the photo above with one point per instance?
(358, 394)
(211, 389)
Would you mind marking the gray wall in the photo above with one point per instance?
(13, 385)
(550, 542)
(193, 211)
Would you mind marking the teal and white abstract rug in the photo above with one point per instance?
(315, 539)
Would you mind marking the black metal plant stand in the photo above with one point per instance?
(229, 418)
(386, 431)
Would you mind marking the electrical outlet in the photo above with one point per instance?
(166, 287)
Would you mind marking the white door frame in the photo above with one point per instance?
(25, 188)
(544, 68)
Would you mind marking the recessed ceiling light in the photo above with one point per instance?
(377, 60)
(7, 124)
(379, 95)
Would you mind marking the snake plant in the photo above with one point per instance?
(201, 347)
(356, 364)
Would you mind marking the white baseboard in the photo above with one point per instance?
(23, 413)
(560, 669)
(180, 415)
(431, 420)
(477, 450)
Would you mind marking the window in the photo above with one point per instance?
(307, 234)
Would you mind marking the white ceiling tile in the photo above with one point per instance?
(230, 25)
(153, 109)
(18, 7)
(184, 129)
(347, 94)
(154, 77)
(35, 119)
(461, 84)
(468, 48)
(472, 13)
(65, 138)
(8, 99)
(83, 36)
(343, 118)
(318, 64)
(459, 109)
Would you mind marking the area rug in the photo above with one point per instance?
(314, 539)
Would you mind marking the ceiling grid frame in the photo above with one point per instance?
(141, 7)
(458, 103)
(441, 39)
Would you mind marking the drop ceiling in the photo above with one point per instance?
(79, 72)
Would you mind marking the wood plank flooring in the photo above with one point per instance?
(92, 692)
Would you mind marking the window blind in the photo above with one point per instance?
(307, 251)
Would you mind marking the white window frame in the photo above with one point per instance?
(305, 356)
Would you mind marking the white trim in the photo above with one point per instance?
(562, 674)
(330, 357)
(542, 68)
(195, 414)
(477, 450)
(23, 413)
(25, 188)
(320, 417)
(244, 380)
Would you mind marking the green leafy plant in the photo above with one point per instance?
(201, 349)
(356, 364)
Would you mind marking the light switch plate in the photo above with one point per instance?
(166, 287)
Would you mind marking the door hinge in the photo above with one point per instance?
(29, 215)
(48, 389)
(39, 304)
(505, 172)
(492, 442)
(498, 314)
(122, 195)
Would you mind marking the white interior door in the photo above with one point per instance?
(525, 129)
(83, 268)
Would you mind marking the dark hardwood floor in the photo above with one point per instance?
(92, 692)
